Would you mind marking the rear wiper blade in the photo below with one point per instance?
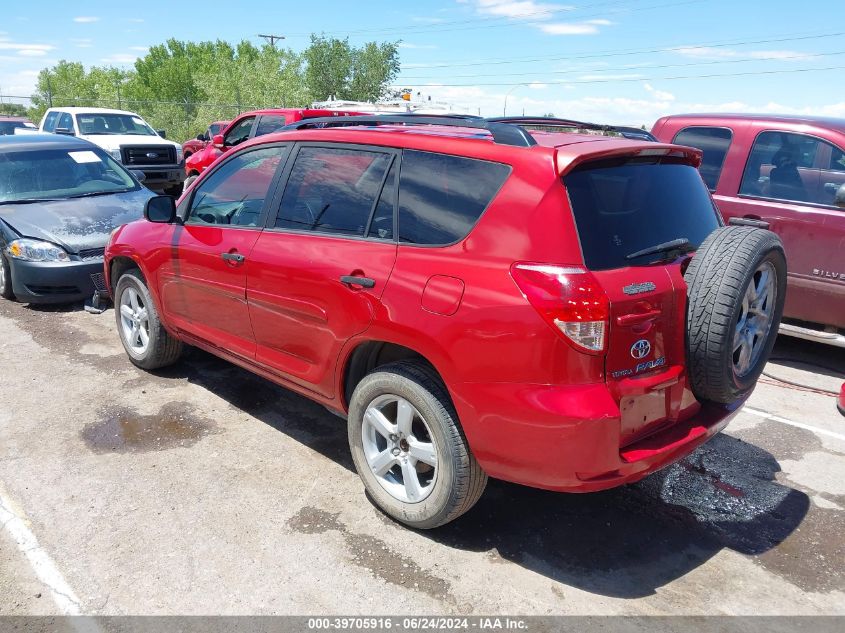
(680, 244)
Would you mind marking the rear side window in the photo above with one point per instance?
(333, 190)
(441, 197)
(714, 142)
(269, 123)
(50, 121)
(627, 205)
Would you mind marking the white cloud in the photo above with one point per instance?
(660, 95)
(140, 49)
(28, 50)
(539, 15)
(711, 52)
(86, 19)
(31, 52)
(409, 45)
(536, 85)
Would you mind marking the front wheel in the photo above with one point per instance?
(147, 343)
(5, 278)
(408, 448)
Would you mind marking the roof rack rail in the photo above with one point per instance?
(626, 132)
(504, 134)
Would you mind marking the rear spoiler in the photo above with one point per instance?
(542, 123)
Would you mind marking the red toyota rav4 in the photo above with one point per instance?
(476, 299)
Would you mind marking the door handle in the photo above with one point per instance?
(233, 257)
(632, 319)
(832, 187)
(351, 280)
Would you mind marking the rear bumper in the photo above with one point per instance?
(568, 438)
(56, 282)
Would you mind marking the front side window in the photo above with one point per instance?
(780, 167)
(65, 122)
(60, 173)
(239, 133)
(234, 194)
(334, 190)
(441, 197)
(714, 143)
(105, 123)
(269, 123)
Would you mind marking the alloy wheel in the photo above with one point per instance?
(755, 319)
(134, 321)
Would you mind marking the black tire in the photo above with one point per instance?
(718, 278)
(459, 481)
(6, 290)
(162, 349)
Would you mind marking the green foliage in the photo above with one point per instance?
(12, 109)
(183, 86)
(336, 69)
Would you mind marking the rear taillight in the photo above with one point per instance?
(569, 299)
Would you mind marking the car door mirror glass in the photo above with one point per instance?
(64, 130)
(160, 209)
(162, 133)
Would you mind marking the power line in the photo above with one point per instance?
(272, 38)
(618, 52)
(472, 24)
(636, 67)
(629, 79)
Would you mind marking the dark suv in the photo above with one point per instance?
(476, 299)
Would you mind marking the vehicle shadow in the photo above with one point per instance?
(624, 543)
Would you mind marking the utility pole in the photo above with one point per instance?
(49, 91)
(272, 38)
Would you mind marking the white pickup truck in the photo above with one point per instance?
(128, 138)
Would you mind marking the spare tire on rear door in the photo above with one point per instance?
(736, 286)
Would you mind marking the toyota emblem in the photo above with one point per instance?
(641, 349)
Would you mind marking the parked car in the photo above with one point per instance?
(194, 145)
(788, 172)
(60, 197)
(476, 299)
(128, 138)
(246, 126)
(8, 124)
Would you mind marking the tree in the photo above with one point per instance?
(336, 69)
(12, 109)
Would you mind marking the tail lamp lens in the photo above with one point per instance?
(569, 299)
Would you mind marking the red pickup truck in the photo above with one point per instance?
(246, 126)
(788, 172)
(194, 145)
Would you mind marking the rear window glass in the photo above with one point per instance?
(441, 197)
(624, 206)
(714, 143)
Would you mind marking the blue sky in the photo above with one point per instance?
(617, 61)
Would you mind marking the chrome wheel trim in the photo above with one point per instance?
(3, 275)
(134, 321)
(755, 319)
(399, 448)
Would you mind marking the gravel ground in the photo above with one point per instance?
(203, 489)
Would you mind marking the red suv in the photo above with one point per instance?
(194, 145)
(788, 172)
(248, 125)
(476, 299)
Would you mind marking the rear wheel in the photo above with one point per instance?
(5, 278)
(144, 338)
(408, 448)
(736, 289)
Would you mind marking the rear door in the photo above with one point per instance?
(621, 207)
(319, 268)
(203, 283)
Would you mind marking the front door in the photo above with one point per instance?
(318, 270)
(203, 284)
(788, 181)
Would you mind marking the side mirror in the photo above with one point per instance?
(64, 130)
(218, 141)
(839, 200)
(202, 137)
(162, 133)
(139, 175)
(160, 209)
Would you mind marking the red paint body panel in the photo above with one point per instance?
(194, 145)
(534, 409)
(813, 234)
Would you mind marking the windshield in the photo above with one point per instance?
(216, 128)
(624, 206)
(104, 123)
(60, 173)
